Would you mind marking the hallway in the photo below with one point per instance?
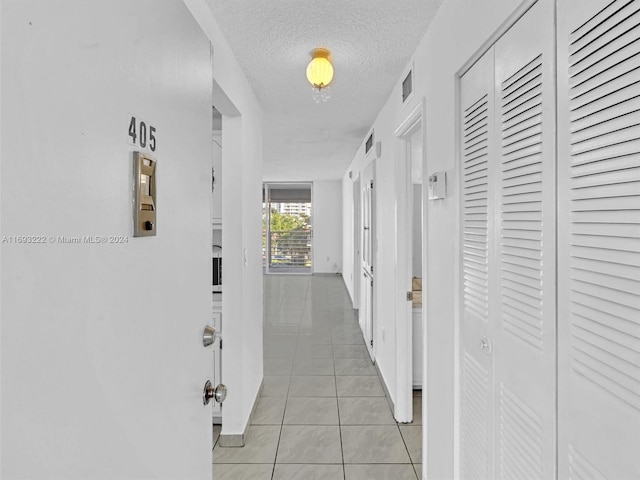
(322, 413)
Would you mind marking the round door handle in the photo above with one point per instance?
(485, 345)
(219, 393)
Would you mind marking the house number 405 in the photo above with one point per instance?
(142, 134)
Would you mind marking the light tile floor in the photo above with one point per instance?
(322, 413)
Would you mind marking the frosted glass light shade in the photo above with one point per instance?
(320, 70)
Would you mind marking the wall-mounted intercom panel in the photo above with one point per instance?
(144, 213)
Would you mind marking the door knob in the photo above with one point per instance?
(218, 393)
(208, 336)
(485, 345)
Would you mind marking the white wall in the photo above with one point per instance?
(327, 226)
(459, 29)
(86, 389)
(347, 234)
(242, 226)
(385, 241)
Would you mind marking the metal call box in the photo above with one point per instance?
(144, 215)
(437, 186)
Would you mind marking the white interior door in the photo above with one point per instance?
(508, 332)
(103, 364)
(599, 242)
(368, 257)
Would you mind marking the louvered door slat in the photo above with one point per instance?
(604, 230)
(607, 121)
(609, 329)
(475, 145)
(580, 468)
(598, 89)
(616, 217)
(584, 260)
(613, 295)
(620, 58)
(603, 166)
(606, 108)
(601, 21)
(615, 27)
(525, 166)
(607, 51)
(527, 332)
(527, 130)
(615, 324)
(599, 261)
(617, 136)
(520, 437)
(473, 415)
(626, 354)
(515, 119)
(621, 284)
(607, 176)
(475, 175)
(529, 98)
(522, 110)
(523, 75)
(601, 305)
(525, 277)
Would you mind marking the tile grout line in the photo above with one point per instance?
(407, 449)
(275, 458)
(335, 381)
(336, 326)
(286, 401)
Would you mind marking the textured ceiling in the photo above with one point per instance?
(371, 42)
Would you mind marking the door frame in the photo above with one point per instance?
(357, 243)
(404, 239)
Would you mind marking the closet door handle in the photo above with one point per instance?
(485, 345)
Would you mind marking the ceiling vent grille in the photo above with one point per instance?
(407, 86)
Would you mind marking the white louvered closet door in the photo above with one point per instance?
(477, 150)
(599, 239)
(525, 197)
(508, 330)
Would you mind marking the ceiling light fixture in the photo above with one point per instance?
(320, 73)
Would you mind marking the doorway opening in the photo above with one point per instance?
(216, 257)
(287, 232)
(411, 252)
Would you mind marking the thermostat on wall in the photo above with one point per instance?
(437, 186)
